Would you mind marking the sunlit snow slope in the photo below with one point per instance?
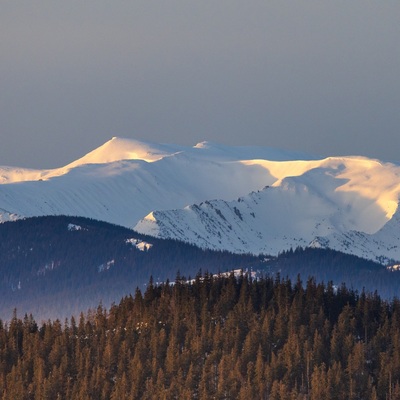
(124, 180)
(243, 199)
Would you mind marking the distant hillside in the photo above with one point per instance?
(55, 266)
(325, 265)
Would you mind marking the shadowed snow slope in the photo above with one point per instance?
(243, 199)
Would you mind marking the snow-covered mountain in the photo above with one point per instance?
(243, 199)
(345, 203)
(124, 180)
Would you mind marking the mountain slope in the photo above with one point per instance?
(348, 204)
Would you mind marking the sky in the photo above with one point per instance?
(321, 77)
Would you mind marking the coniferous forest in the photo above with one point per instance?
(221, 337)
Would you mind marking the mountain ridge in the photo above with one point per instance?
(344, 202)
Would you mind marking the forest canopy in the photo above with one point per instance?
(223, 337)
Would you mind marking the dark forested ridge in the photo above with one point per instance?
(57, 266)
(329, 265)
(216, 338)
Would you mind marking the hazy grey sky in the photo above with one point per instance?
(317, 76)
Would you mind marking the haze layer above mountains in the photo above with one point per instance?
(242, 199)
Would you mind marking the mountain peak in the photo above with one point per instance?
(117, 149)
